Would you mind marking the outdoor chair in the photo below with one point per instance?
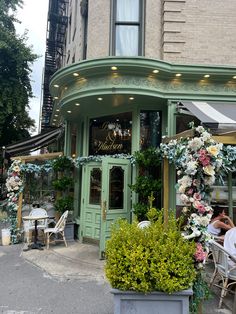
(225, 267)
(29, 225)
(57, 230)
(144, 224)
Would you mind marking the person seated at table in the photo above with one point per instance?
(220, 223)
(230, 241)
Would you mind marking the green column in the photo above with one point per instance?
(67, 145)
(171, 130)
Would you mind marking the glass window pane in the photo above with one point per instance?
(116, 193)
(126, 40)
(95, 186)
(127, 10)
(111, 135)
(150, 129)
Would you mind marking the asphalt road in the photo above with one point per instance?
(26, 288)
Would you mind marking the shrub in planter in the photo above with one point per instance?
(64, 203)
(155, 258)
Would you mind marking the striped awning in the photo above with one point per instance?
(34, 142)
(213, 115)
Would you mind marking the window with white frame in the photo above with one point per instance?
(127, 32)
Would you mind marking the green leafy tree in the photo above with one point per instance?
(16, 59)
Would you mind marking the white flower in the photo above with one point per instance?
(185, 209)
(205, 136)
(191, 167)
(185, 180)
(195, 144)
(209, 180)
(184, 198)
(200, 129)
(16, 168)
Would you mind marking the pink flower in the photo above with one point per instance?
(197, 196)
(200, 255)
(199, 206)
(190, 191)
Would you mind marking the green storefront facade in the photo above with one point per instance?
(116, 106)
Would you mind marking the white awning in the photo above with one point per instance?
(213, 115)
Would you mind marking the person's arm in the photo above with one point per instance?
(229, 221)
(223, 225)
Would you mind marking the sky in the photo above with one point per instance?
(33, 17)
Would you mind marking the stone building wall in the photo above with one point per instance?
(178, 31)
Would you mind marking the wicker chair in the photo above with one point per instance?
(57, 230)
(225, 267)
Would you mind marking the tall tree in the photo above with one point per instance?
(16, 59)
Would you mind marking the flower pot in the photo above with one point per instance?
(127, 302)
(6, 236)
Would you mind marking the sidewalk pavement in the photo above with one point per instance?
(80, 261)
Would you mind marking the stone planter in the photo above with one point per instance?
(131, 302)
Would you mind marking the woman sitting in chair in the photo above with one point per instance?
(220, 222)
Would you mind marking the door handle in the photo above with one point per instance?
(104, 210)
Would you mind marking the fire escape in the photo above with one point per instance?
(56, 31)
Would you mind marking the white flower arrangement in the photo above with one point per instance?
(197, 160)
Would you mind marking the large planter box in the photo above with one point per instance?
(131, 302)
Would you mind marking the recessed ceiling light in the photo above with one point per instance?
(77, 104)
(114, 68)
(54, 120)
(131, 98)
(99, 98)
(234, 77)
(55, 115)
(206, 75)
(75, 74)
(56, 97)
(55, 85)
(178, 74)
(68, 111)
(53, 124)
(57, 110)
(155, 71)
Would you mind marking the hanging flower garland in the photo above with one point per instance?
(198, 161)
(15, 185)
(15, 181)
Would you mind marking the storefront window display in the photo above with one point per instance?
(111, 135)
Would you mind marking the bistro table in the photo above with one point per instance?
(36, 244)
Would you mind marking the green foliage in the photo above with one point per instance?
(147, 182)
(140, 210)
(62, 163)
(16, 59)
(155, 258)
(149, 157)
(201, 292)
(145, 185)
(63, 183)
(64, 203)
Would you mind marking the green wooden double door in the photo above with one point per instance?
(105, 198)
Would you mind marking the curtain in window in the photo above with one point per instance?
(126, 40)
(127, 11)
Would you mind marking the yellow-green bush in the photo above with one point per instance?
(156, 258)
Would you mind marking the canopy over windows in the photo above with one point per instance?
(213, 115)
(34, 142)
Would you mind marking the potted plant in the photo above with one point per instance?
(61, 205)
(147, 180)
(153, 264)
